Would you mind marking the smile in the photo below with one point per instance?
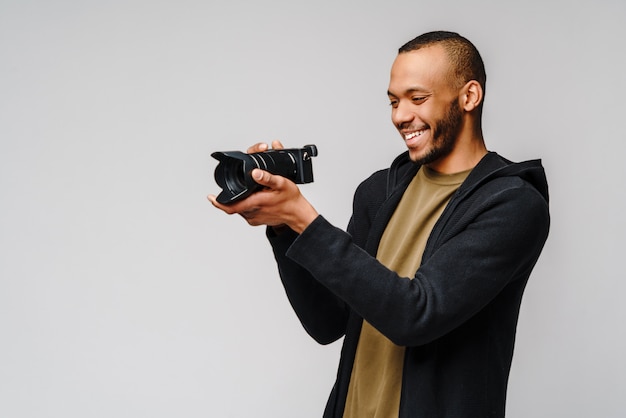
(412, 135)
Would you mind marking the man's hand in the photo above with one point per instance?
(278, 203)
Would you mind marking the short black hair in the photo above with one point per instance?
(466, 62)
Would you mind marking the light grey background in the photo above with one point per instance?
(123, 293)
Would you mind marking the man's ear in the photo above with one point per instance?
(471, 95)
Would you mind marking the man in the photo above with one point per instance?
(427, 282)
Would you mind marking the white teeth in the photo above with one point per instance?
(413, 135)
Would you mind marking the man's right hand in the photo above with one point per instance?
(279, 203)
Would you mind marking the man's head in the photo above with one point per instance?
(465, 61)
(436, 91)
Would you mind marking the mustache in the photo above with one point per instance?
(409, 126)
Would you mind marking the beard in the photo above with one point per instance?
(444, 135)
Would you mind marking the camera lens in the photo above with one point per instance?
(234, 174)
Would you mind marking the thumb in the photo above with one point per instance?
(263, 178)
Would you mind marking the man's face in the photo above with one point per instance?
(425, 107)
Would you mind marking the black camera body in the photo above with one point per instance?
(234, 171)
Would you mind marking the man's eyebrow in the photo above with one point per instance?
(410, 90)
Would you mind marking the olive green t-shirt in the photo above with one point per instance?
(374, 390)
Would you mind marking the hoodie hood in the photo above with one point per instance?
(491, 166)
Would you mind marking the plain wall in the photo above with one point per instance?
(123, 293)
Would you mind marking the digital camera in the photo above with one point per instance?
(233, 173)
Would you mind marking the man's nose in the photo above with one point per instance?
(402, 114)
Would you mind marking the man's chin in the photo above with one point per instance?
(428, 156)
(421, 157)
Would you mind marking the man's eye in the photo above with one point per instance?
(393, 103)
(418, 99)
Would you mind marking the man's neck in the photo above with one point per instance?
(466, 154)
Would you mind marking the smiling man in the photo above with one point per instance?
(426, 284)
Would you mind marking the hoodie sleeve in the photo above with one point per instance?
(323, 315)
(497, 241)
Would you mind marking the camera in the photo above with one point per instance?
(234, 171)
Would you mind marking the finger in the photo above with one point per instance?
(211, 198)
(265, 178)
(258, 147)
(276, 144)
(229, 210)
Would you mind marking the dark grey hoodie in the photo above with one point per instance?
(457, 317)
